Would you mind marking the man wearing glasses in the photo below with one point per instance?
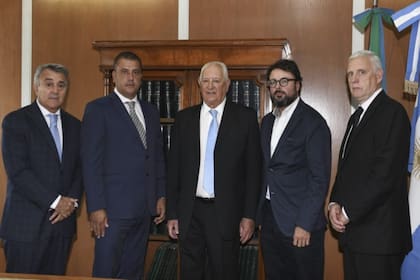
(296, 145)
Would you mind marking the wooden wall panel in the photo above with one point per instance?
(63, 32)
(10, 57)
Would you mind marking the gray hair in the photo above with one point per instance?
(221, 65)
(373, 57)
(58, 68)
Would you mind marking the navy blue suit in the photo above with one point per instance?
(124, 178)
(35, 179)
(298, 176)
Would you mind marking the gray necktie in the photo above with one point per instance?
(137, 123)
(54, 133)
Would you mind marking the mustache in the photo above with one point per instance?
(279, 91)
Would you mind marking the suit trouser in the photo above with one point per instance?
(121, 252)
(204, 253)
(45, 256)
(282, 260)
(367, 267)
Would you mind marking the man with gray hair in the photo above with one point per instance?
(213, 180)
(369, 205)
(41, 149)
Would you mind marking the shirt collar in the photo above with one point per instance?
(219, 107)
(124, 99)
(367, 102)
(289, 109)
(44, 110)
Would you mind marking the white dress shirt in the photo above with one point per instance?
(279, 126)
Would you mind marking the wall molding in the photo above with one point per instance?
(26, 54)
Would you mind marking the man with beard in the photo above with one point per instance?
(296, 145)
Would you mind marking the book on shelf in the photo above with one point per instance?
(164, 94)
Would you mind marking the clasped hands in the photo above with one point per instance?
(337, 218)
(65, 207)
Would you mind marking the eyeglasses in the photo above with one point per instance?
(283, 82)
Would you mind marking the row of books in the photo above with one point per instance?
(162, 93)
(165, 94)
(245, 92)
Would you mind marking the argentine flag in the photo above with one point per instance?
(410, 16)
(410, 269)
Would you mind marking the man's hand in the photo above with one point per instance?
(337, 218)
(173, 230)
(160, 210)
(98, 222)
(246, 229)
(301, 237)
(65, 207)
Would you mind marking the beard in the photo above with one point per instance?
(283, 100)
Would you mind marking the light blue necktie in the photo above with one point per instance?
(209, 158)
(54, 133)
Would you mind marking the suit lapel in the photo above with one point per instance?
(266, 136)
(147, 120)
(67, 137)
(228, 121)
(121, 111)
(193, 132)
(291, 125)
(365, 119)
(39, 121)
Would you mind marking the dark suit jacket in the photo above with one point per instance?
(237, 171)
(120, 175)
(371, 181)
(35, 175)
(299, 171)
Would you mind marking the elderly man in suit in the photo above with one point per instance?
(213, 179)
(124, 172)
(369, 207)
(296, 144)
(41, 156)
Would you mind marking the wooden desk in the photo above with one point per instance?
(4, 276)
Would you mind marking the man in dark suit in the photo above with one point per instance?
(44, 181)
(124, 172)
(369, 205)
(212, 222)
(296, 144)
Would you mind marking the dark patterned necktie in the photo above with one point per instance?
(137, 123)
